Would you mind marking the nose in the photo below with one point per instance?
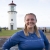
(30, 21)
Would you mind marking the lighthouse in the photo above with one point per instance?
(12, 16)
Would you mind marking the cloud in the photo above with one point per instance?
(44, 0)
(3, 1)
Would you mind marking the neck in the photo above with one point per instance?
(31, 30)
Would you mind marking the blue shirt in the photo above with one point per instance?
(31, 42)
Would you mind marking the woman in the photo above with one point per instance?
(30, 38)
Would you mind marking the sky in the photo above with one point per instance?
(41, 8)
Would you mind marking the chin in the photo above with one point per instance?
(30, 27)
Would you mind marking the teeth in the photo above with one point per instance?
(30, 23)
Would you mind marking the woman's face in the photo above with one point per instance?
(30, 21)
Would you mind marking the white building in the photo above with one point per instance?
(12, 16)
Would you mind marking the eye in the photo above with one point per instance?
(27, 20)
(32, 19)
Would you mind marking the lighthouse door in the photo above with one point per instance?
(11, 27)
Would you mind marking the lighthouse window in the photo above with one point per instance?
(12, 8)
(11, 19)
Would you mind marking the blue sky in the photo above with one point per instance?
(39, 7)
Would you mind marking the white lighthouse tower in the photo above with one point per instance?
(12, 16)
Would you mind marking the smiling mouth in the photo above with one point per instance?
(30, 23)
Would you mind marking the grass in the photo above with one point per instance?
(11, 32)
(8, 32)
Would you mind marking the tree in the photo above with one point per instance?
(0, 29)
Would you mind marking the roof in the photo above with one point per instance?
(12, 3)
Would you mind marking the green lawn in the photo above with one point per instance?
(11, 32)
(8, 32)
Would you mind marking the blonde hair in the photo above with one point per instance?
(35, 27)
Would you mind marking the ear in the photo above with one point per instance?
(24, 20)
(36, 20)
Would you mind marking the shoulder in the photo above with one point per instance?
(42, 33)
(18, 33)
